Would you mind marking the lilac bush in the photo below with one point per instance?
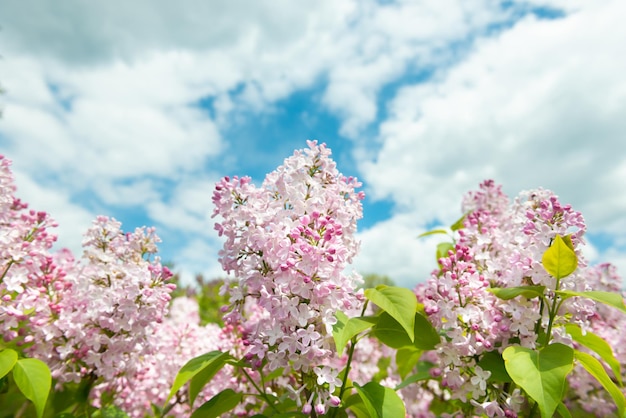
(512, 322)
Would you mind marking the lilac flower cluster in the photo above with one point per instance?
(114, 295)
(288, 243)
(179, 338)
(501, 245)
(31, 280)
(90, 318)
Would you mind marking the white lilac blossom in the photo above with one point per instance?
(288, 243)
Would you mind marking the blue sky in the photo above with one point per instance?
(134, 110)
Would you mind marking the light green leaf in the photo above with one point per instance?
(563, 411)
(399, 302)
(32, 377)
(559, 260)
(219, 404)
(608, 298)
(212, 361)
(355, 404)
(460, 223)
(443, 248)
(540, 373)
(595, 368)
(346, 328)
(433, 232)
(406, 359)
(380, 401)
(506, 293)
(110, 411)
(8, 358)
(598, 345)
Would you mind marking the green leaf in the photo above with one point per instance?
(390, 332)
(608, 298)
(355, 404)
(32, 377)
(443, 248)
(406, 359)
(399, 302)
(433, 232)
(212, 361)
(380, 401)
(540, 373)
(598, 345)
(595, 368)
(110, 411)
(506, 293)
(219, 404)
(345, 328)
(559, 260)
(492, 361)
(8, 358)
(563, 411)
(422, 373)
(460, 223)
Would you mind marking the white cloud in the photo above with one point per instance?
(539, 105)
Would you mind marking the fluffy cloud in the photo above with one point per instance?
(542, 104)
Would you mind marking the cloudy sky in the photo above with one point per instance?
(135, 109)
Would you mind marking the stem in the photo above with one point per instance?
(350, 354)
(262, 393)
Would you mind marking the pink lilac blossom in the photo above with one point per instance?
(288, 243)
(179, 338)
(31, 277)
(500, 245)
(112, 299)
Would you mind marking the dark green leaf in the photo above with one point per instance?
(218, 405)
(212, 361)
(422, 373)
(506, 293)
(492, 361)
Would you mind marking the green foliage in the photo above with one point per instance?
(32, 377)
(8, 358)
(400, 303)
(560, 259)
(595, 368)
(608, 298)
(198, 371)
(529, 292)
(345, 329)
(218, 405)
(597, 345)
(380, 401)
(541, 373)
